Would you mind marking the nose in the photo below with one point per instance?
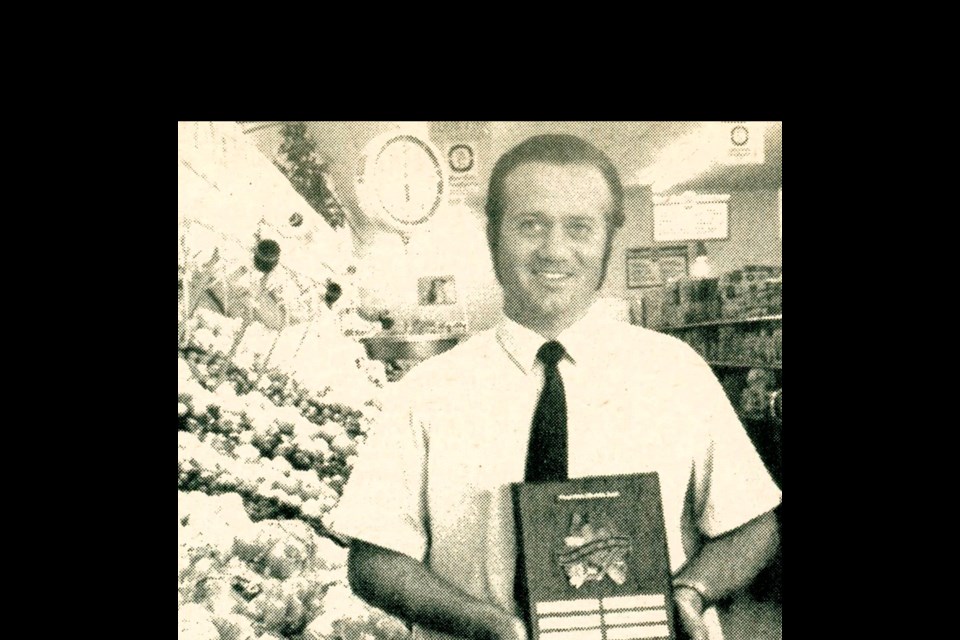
(554, 245)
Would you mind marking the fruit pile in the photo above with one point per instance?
(241, 580)
(270, 425)
(277, 417)
(285, 451)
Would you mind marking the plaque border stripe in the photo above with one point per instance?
(583, 621)
(573, 634)
(580, 605)
(639, 601)
(623, 617)
(641, 632)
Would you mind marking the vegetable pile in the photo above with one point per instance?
(241, 580)
(262, 456)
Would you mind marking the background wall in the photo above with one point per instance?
(753, 237)
(454, 242)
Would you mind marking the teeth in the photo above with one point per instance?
(551, 276)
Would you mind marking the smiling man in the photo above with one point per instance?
(552, 241)
(555, 391)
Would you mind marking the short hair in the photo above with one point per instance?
(558, 149)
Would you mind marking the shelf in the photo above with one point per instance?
(729, 364)
(729, 322)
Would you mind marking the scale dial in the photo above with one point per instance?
(402, 179)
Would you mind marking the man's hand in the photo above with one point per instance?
(723, 565)
(690, 607)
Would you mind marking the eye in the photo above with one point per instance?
(580, 230)
(530, 226)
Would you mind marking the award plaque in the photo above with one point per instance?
(593, 553)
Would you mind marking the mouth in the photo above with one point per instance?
(552, 277)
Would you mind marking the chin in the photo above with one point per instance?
(552, 306)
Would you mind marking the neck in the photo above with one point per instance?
(549, 326)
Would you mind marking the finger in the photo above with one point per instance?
(518, 629)
(692, 622)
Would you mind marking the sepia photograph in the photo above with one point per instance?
(480, 380)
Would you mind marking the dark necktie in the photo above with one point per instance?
(547, 450)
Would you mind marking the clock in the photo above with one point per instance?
(401, 180)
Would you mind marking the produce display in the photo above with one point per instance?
(264, 448)
(239, 580)
(309, 173)
(275, 396)
(286, 447)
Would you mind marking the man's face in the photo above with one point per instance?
(553, 236)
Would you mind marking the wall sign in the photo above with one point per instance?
(690, 216)
(655, 266)
(740, 142)
(463, 178)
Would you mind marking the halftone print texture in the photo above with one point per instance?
(321, 264)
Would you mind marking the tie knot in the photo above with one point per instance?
(550, 353)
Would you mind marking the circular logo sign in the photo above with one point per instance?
(739, 135)
(461, 158)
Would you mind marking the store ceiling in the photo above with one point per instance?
(728, 178)
(670, 156)
(664, 154)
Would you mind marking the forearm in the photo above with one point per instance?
(731, 561)
(404, 587)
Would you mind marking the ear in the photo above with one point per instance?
(611, 230)
(491, 235)
(493, 243)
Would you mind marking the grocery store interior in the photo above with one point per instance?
(319, 262)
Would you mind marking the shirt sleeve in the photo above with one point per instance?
(384, 502)
(731, 484)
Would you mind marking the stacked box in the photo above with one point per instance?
(752, 291)
(698, 342)
(754, 304)
(741, 345)
(672, 311)
(649, 310)
(773, 293)
(731, 345)
(760, 273)
(690, 301)
(732, 292)
(707, 299)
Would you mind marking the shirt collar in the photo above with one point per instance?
(522, 343)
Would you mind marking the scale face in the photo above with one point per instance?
(402, 180)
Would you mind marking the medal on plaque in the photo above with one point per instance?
(594, 558)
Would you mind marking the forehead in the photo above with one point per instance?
(556, 190)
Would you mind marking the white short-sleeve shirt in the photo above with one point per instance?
(434, 479)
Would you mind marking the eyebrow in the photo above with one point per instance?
(571, 218)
